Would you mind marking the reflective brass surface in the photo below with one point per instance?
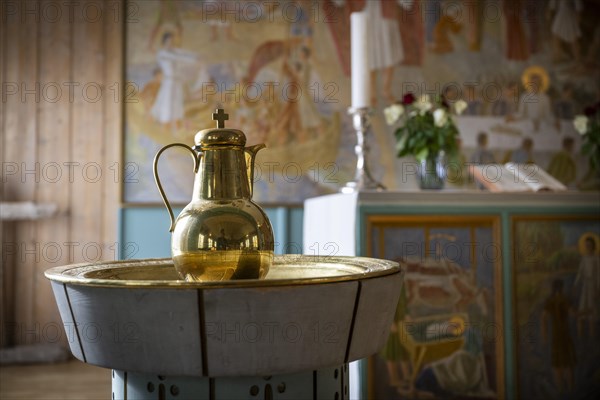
(221, 234)
(216, 137)
(196, 158)
(288, 269)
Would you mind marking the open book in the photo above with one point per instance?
(512, 177)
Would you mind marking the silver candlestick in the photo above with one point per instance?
(363, 180)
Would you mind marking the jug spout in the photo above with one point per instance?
(250, 158)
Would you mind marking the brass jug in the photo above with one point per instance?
(222, 234)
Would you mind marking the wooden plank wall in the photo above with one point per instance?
(61, 120)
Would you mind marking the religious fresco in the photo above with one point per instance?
(447, 337)
(269, 71)
(281, 70)
(556, 271)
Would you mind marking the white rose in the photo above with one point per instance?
(393, 113)
(581, 124)
(460, 106)
(423, 104)
(440, 117)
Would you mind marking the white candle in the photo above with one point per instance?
(361, 81)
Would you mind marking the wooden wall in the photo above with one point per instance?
(61, 72)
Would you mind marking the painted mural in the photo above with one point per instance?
(446, 340)
(281, 70)
(557, 300)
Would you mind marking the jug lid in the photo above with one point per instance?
(220, 136)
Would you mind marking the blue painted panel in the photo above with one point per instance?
(295, 230)
(278, 217)
(144, 231)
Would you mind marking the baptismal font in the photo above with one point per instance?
(224, 318)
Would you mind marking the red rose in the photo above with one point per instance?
(408, 99)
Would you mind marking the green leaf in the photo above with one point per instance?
(400, 145)
(422, 154)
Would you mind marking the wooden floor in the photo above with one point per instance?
(73, 380)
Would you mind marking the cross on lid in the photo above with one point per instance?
(220, 117)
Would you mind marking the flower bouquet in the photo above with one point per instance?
(426, 130)
(588, 126)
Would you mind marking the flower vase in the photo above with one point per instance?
(431, 172)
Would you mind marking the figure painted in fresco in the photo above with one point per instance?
(562, 166)
(565, 16)
(302, 24)
(474, 12)
(447, 24)
(299, 115)
(220, 22)
(266, 53)
(482, 155)
(412, 32)
(556, 316)
(475, 105)
(564, 107)
(588, 277)
(168, 108)
(508, 102)
(263, 119)
(522, 155)
(386, 50)
(516, 40)
(590, 63)
(450, 94)
(289, 122)
(166, 17)
(534, 16)
(534, 104)
(431, 16)
(150, 90)
(311, 119)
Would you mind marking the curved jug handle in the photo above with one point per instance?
(157, 179)
(250, 157)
